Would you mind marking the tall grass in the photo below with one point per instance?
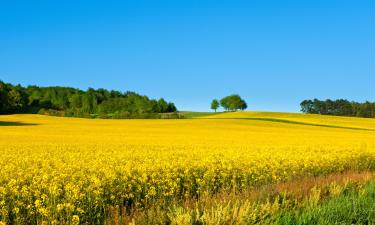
(295, 202)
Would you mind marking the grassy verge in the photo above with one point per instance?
(352, 207)
(192, 115)
(305, 201)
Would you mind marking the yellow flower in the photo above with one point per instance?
(75, 220)
(64, 166)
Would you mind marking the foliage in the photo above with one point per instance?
(64, 101)
(60, 170)
(215, 104)
(273, 206)
(233, 103)
(352, 207)
(339, 107)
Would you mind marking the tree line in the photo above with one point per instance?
(67, 101)
(339, 107)
(229, 103)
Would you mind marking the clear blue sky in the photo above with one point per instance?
(273, 53)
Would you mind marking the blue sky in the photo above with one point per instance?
(272, 53)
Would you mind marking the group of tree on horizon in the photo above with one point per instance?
(229, 103)
(339, 107)
(67, 101)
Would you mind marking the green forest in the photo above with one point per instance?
(339, 107)
(73, 102)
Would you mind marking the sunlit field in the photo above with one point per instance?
(77, 171)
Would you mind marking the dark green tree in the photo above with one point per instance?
(233, 103)
(171, 107)
(339, 107)
(215, 104)
(163, 105)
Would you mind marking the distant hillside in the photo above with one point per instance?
(300, 119)
(67, 101)
(192, 115)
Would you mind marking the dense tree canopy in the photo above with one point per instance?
(215, 104)
(233, 103)
(339, 107)
(67, 101)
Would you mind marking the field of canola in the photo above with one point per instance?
(71, 170)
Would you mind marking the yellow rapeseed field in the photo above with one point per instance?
(71, 170)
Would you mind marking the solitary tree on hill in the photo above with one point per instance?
(215, 104)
